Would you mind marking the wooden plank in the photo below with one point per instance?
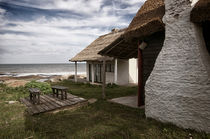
(30, 107)
(70, 102)
(50, 106)
(50, 103)
(45, 107)
(53, 105)
(104, 79)
(56, 101)
(26, 102)
(81, 98)
(34, 107)
(64, 101)
(34, 90)
(140, 78)
(59, 87)
(41, 109)
(45, 104)
(71, 96)
(76, 99)
(29, 111)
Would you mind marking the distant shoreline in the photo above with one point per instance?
(46, 70)
(16, 81)
(18, 74)
(15, 74)
(40, 63)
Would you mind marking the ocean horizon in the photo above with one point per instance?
(42, 69)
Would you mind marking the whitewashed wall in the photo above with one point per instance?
(87, 70)
(109, 77)
(122, 72)
(127, 72)
(133, 71)
(178, 89)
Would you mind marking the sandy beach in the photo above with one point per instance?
(22, 80)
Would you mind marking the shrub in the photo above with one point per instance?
(111, 85)
(43, 86)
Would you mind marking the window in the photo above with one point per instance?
(109, 67)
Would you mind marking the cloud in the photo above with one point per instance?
(56, 30)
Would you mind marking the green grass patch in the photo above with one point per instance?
(44, 87)
(101, 120)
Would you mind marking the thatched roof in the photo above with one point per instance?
(148, 20)
(123, 49)
(90, 53)
(201, 11)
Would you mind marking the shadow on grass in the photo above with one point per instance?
(104, 120)
(96, 120)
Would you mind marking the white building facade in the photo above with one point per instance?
(178, 89)
(118, 71)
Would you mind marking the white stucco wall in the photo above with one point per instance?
(109, 77)
(122, 72)
(178, 89)
(133, 71)
(127, 72)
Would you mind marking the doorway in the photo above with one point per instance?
(98, 73)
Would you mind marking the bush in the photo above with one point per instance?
(43, 86)
(111, 85)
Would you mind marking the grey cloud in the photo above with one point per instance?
(49, 31)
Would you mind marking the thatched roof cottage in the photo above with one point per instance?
(115, 68)
(146, 26)
(172, 42)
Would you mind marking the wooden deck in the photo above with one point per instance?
(50, 103)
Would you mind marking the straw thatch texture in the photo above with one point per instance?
(123, 49)
(148, 20)
(146, 23)
(201, 11)
(90, 53)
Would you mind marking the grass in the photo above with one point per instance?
(99, 120)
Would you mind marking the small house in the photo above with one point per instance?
(118, 71)
(171, 40)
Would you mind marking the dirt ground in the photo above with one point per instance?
(21, 81)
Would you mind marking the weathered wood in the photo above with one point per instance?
(115, 71)
(59, 87)
(104, 79)
(26, 102)
(36, 90)
(140, 78)
(55, 100)
(63, 91)
(32, 106)
(49, 103)
(70, 102)
(34, 95)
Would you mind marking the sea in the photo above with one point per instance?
(18, 70)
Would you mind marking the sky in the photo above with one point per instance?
(53, 31)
